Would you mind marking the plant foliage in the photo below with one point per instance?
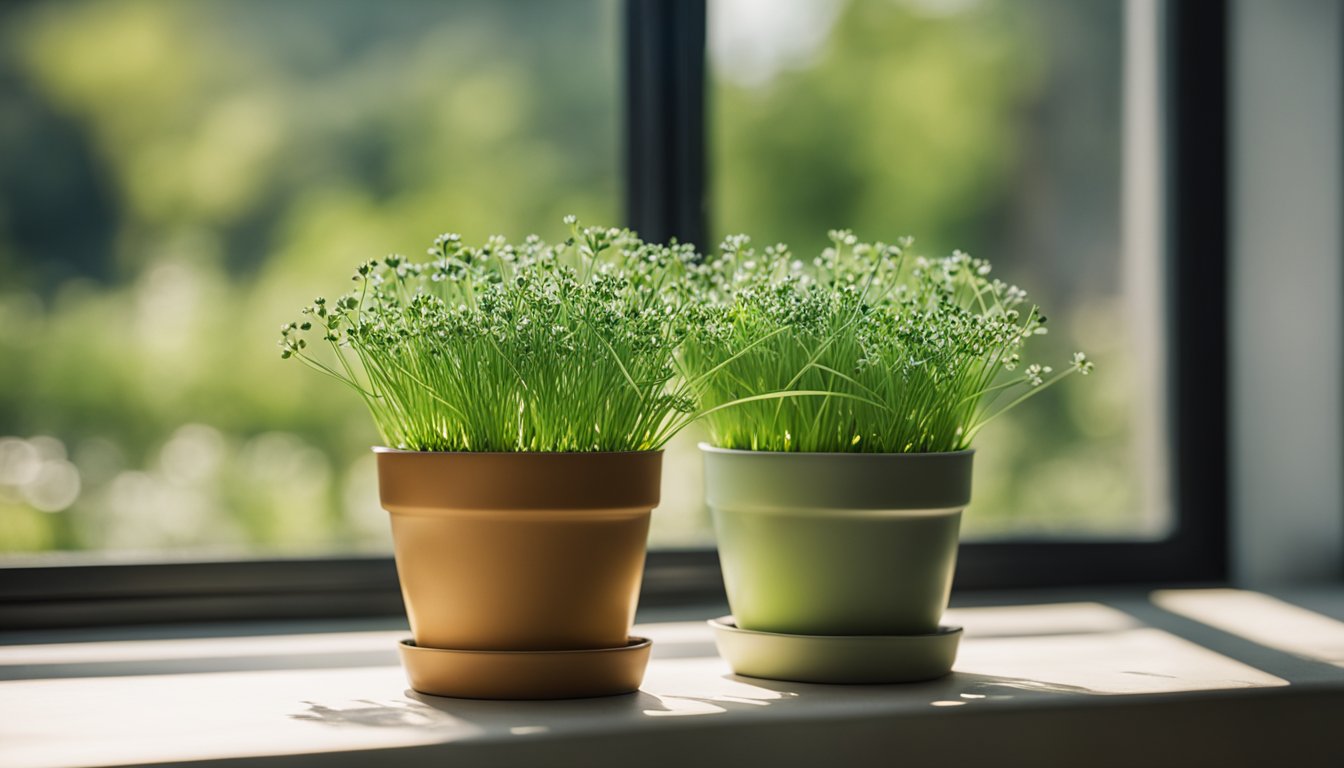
(884, 351)
(607, 343)
(533, 347)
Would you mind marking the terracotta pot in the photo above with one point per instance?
(519, 551)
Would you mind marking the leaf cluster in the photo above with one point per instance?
(885, 351)
(607, 343)
(502, 347)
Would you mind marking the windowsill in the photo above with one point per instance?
(1046, 678)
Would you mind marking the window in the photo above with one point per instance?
(186, 172)
(180, 176)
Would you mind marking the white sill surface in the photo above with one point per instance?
(1179, 677)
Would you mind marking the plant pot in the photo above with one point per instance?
(835, 544)
(530, 552)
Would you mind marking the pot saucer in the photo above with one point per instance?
(854, 659)
(526, 674)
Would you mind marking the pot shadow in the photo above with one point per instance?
(675, 697)
(494, 711)
(959, 688)
(373, 714)
(419, 710)
(483, 717)
(450, 719)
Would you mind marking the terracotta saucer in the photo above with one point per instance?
(526, 674)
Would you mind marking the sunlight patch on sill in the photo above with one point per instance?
(1262, 619)
(1132, 661)
(706, 686)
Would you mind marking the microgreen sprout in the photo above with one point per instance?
(865, 348)
(512, 347)
(606, 343)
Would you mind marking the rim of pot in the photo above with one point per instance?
(386, 449)
(711, 448)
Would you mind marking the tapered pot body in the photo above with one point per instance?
(837, 543)
(519, 551)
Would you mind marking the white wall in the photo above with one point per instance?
(1287, 517)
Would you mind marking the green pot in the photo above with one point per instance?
(837, 543)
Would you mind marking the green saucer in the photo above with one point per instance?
(853, 659)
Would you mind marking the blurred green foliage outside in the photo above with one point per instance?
(177, 178)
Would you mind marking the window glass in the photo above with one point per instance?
(992, 126)
(177, 178)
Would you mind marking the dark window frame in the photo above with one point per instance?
(665, 197)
